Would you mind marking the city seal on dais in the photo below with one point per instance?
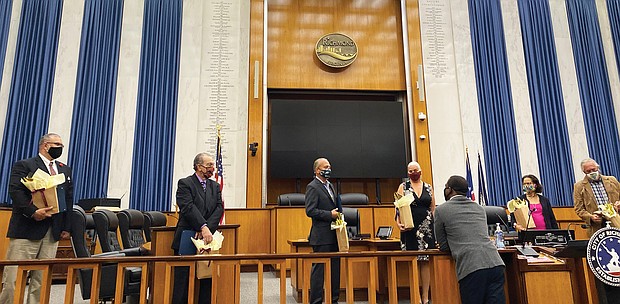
(603, 255)
(336, 50)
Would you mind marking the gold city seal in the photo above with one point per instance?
(336, 50)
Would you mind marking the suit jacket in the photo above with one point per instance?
(197, 206)
(319, 206)
(547, 211)
(585, 203)
(22, 225)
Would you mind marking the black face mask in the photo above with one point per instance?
(446, 193)
(55, 152)
(326, 173)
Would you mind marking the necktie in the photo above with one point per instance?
(329, 190)
(204, 186)
(52, 171)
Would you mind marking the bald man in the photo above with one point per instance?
(322, 207)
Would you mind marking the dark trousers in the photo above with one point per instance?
(607, 294)
(181, 284)
(318, 274)
(484, 286)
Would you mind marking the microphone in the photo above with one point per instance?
(529, 217)
(570, 237)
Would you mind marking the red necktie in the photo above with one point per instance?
(52, 171)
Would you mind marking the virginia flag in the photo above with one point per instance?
(470, 183)
(219, 173)
(482, 188)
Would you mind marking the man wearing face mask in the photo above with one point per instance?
(200, 208)
(460, 227)
(593, 190)
(322, 207)
(34, 232)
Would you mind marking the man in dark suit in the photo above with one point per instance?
(200, 209)
(34, 232)
(321, 206)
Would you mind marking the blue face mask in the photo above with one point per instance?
(326, 173)
(527, 188)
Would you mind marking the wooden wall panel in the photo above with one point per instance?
(295, 26)
(254, 232)
(255, 107)
(420, 127)
(367, 186)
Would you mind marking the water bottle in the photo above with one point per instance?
(499, 237)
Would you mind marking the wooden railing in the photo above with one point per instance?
(147, 264)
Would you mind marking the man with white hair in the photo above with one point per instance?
(593, 190)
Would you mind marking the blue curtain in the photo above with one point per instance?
(594, 89)
(30, 95)
(95, 92)
(499, 137)
(6, 6)
(613, 9)
(153, 150)
(547, 102)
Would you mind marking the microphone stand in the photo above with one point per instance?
(527, 251)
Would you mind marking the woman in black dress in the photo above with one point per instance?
(422, 236)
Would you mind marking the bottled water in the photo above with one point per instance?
(499, 237)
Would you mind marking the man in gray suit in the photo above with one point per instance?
(461, 228)
(322, 207)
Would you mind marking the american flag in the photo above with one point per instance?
(219, 173)
(482, 188)
(470, 182)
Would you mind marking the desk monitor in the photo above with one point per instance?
(546, 237)
(384, 232)
(90, 203)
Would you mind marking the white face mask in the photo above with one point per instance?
(594, 176)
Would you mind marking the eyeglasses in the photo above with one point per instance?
(57, 144)
(208, 165)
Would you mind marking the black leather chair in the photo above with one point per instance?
(153, 219)
(496, 214)
(107, 224)
(81, 224)
(131, 225)
(292, 199)
(352, 217)
(354, 199)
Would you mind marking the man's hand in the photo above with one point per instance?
(207, 237)
(596, 218)
(334, 213)
(42, 213)
(65, 235)
(519, 227)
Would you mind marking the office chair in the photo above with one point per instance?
(131, 225)
(352, 217)
(107, 224)
(153, 219)
(292, 199)
(81, 223)
(354, 199)
(496, 214)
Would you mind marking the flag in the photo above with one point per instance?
(219, 173)
(470, 183)
(482, 188)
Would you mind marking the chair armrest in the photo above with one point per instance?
(137, 251)
(111, 254)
